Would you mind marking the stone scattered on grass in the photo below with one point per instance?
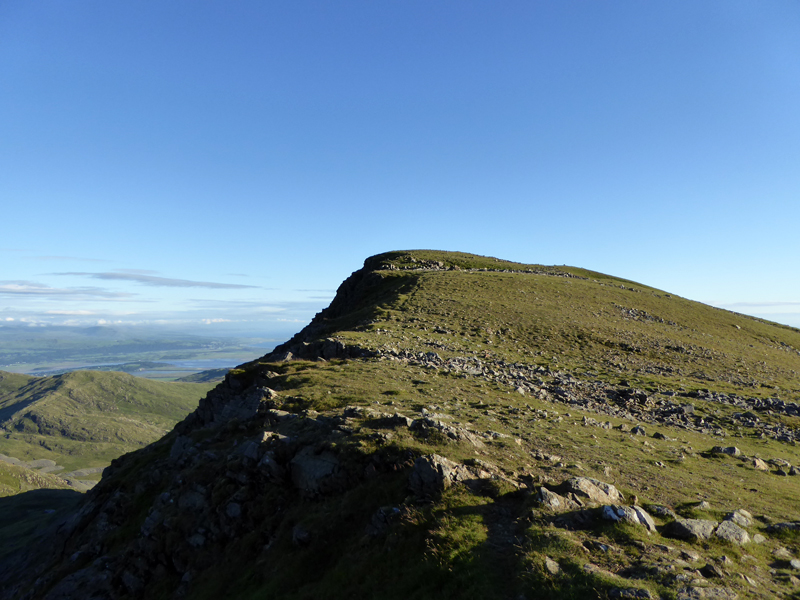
(690, 529)
(551, 566)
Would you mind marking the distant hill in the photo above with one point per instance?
(84, 419)
(211, 375)
(458, 426)
(15, 480)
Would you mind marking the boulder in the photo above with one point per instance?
(629, 514)
(741, 517)
(711, 571)
(554, 501)
(690, 529)
(551, 566)
(431, 475)
(731, 532)
(729, 450)
(759, 465)
(592, 489)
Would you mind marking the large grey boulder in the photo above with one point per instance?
(729, 450)
(731, 532)
(741, 517)
(593, 489)
(554, 501)
(635, 515)
(690, 529)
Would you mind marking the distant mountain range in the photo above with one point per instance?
(145, 351)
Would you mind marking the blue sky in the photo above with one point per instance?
(225, 165)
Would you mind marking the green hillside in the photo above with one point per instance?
(16, 480)
(85, 419)
(456, 426)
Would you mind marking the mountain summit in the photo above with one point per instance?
(458, 426)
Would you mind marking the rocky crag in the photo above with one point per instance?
(457, 426)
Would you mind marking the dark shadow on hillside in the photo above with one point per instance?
(9, 411)
(29, 516)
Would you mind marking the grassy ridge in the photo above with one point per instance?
(610, 327)
(86, 418)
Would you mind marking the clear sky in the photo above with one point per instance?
(227, 164)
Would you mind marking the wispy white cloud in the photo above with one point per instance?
(210, 321)
(146, 279)
(29, 288)
(137, 271)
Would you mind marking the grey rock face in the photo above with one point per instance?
(431, 475)
(690, 529)
(180, 446)
(309, 470)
